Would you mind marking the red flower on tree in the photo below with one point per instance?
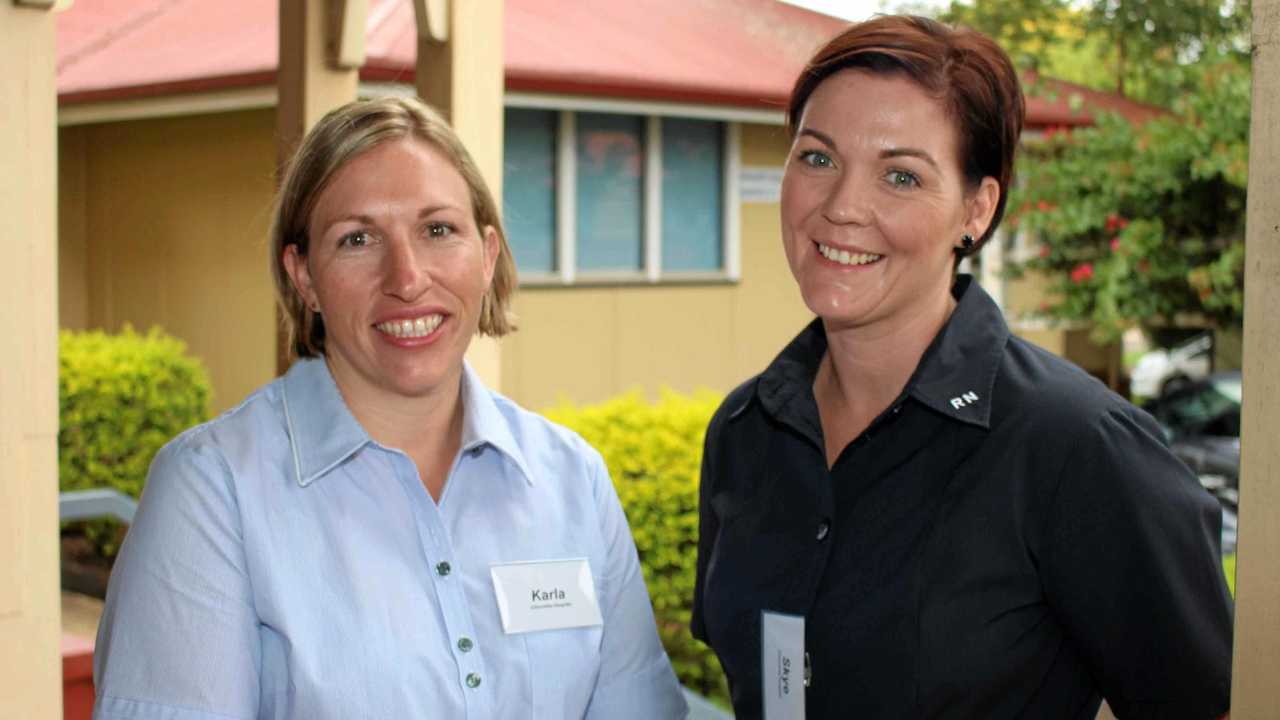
(1115, 223)
(1082, 272)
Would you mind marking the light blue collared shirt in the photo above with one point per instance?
(284, 565)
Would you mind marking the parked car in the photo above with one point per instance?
(1201, 420)
(1161, 371)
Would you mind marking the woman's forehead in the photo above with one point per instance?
(861, 108)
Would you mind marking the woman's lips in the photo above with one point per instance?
(844, 257)
(411, 328)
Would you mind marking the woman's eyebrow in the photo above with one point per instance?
(887, 153)
(820, 137)
(908, 152)
(433, 209)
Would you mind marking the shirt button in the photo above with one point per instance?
(443, 569)
(465, 644)
(473, 680)
(824, 528)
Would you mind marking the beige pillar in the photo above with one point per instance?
(460, 72)
(1255, 691)
(321, 50)
(30, 665)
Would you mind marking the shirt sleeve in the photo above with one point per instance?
(1133, 571)
(178, 637)
(708, 528)
(636, 679)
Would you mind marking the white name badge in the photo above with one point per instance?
(545, 595)
(782, 665)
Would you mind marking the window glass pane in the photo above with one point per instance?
(691, 194)
(529, 187)
(610, 193)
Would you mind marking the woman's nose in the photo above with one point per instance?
(847, 202)
(405, 275)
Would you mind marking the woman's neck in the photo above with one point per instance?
(428, 429)
(867, 367)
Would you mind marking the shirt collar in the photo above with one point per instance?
(955, 377)
(957, 374)
(483, 423)
(323, 432)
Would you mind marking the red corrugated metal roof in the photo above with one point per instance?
(731, 52)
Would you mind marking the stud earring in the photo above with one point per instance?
(966, 243)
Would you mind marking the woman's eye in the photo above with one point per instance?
(439, 229)
(816, 158)
(902, 179)
(359, 238)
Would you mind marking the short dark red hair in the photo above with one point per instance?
(966, 70)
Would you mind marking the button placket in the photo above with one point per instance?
(449, 592)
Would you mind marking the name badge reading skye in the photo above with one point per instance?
(782, 665)
(545, 595)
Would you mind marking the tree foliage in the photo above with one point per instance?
(1136, 225)
(1143, 224)
(1146, 50)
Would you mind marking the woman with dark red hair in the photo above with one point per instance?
(912, 513)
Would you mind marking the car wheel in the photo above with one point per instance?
(1173, 384)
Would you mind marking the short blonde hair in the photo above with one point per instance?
(340, 136)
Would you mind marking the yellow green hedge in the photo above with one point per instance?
(654, 454)
(120, 398)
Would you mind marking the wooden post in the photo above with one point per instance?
(460, 72)
(1255, 692)
(30, 611)
(321, 50)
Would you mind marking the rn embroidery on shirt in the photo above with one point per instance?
(968, 398)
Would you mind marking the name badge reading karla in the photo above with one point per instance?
(782, 665)
(545, 595)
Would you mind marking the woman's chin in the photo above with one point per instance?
(837, 308)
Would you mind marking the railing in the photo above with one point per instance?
(92, 504)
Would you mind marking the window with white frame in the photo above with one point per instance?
(613, 197)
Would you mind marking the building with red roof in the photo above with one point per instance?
(643, 150)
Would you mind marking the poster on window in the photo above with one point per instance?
(760, 184)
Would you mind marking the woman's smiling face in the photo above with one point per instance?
(397, 268)
(874, 201)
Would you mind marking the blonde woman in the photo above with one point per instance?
(376, 534)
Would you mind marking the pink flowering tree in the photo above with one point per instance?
(1139, 225)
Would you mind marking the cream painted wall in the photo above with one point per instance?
(73, 234)
(165, 223)
(586, 344)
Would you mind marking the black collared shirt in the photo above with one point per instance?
(1009, 539)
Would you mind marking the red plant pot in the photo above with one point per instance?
(77, 678)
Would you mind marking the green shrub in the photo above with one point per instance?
(120, 398)
(1229, 569)
(654, 454)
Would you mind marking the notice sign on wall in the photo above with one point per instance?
(760, 184)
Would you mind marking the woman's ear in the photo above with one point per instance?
(296, 265)
(982, 206)
(489, 240)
